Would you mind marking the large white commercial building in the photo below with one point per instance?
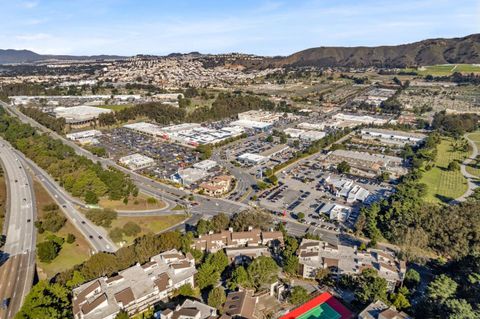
(393, 136)
(137, 161)
(252, 159)
(79, 116)
(189, 134)
(85, 137)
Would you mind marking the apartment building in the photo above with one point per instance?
(379, 310)
(213, 242)
(240, 304)
(134, 289)
(190, 309)
(340, 259)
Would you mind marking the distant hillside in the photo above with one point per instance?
(18, 56)
(426, 52)
(10, 56)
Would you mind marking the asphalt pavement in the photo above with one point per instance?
(18, 257)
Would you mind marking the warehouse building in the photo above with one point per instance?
(85, 137)
(399, 137)
(252, 159)
(80, 116)
(137, 161)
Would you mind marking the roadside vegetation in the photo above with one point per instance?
(79, 176)
(62, 246)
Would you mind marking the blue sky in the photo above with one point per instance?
(266, 27)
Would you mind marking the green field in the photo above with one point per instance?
(148, 224)
(446, 69)
(116, 107)
(444, 185)
(474, 166)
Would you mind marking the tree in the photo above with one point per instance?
(187, 291)
(291, 265)
(46, 301)
(269, 139)
(47, 251)
(116, 234)
(263, 270)
(453, 166)
(442, 288)
(70, 238)
(370, 287)
(122, 314)
(300, 215)
(102, 217)
(219, 222)
(460, 309)
(131, 229)
(91, 197)
(239, 278)
(400, 301)
(343, 167)
(245, 219)
(298, 295)
(203, 226)
(217, 297)
(218, 260)
(207, 276)
(412, 278)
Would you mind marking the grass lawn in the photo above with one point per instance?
(447, 69)
(115, 107)
(71, 254)
(148, 224)
(474, 166)
(444, 185)
(3, 201)
(139, 203)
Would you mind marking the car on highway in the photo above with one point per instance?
(5, 303)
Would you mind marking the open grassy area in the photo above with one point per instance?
(446, 69)
(474, 166)
(444, 185)
(138, 203)
(116, 107)
(71, 254)
(148, 224)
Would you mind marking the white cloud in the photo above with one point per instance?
(29, 4)
(33, 37)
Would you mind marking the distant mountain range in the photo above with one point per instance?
(11, 56)
(426, 52)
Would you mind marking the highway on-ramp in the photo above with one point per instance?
(18, 261)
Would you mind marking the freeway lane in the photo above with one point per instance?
(144, 184)
(16, 274)
(96, 236)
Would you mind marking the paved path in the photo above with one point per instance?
(471, 179)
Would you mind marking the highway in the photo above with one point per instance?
(145, 185)
(95, 235)
(17, 271)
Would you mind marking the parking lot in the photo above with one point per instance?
(302, 189)
(168, 157)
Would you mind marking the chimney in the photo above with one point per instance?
(250, 228)
(230, 229)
